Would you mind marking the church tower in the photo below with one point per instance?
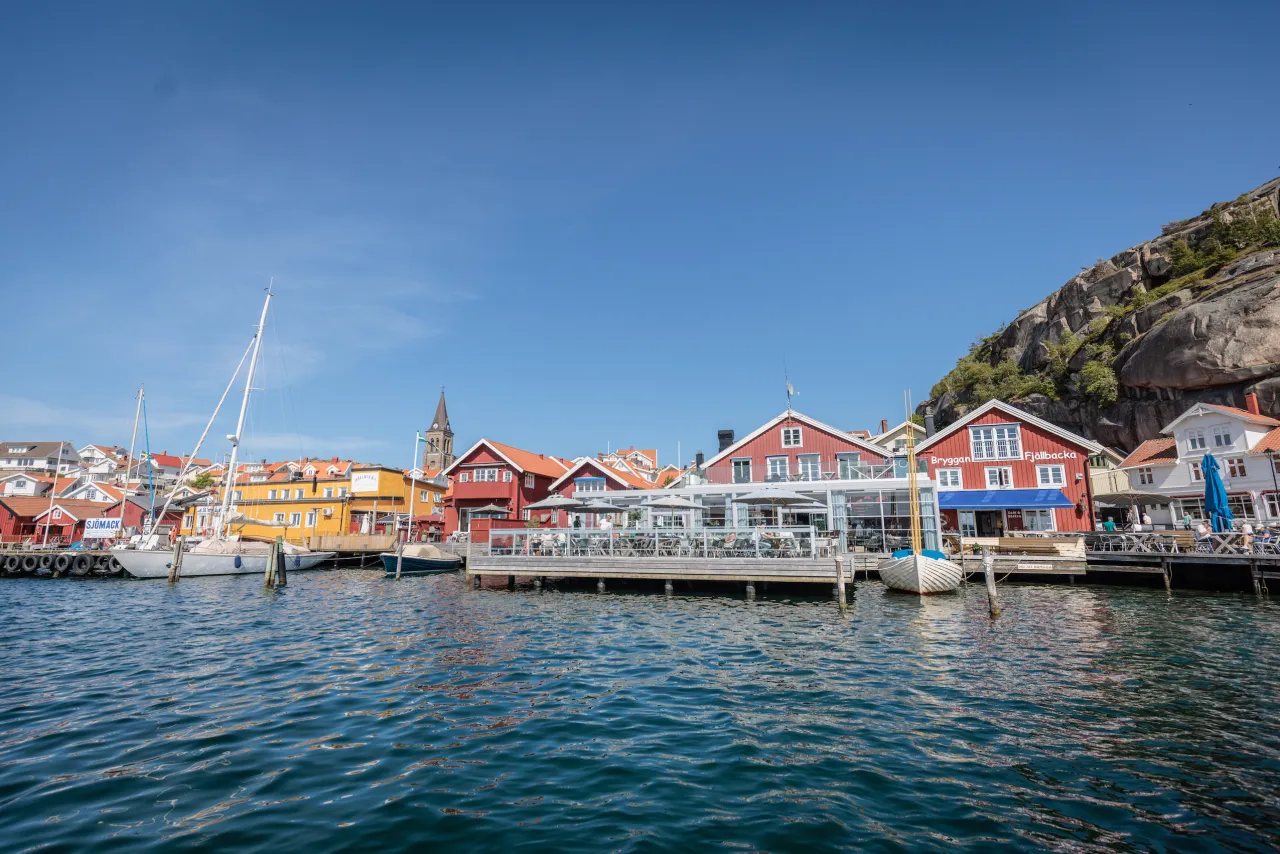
(439, 453)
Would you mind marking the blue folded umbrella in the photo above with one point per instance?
(1215, 495)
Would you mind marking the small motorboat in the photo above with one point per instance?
(420, 559)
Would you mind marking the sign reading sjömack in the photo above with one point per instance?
(101, 529)
(364, 481)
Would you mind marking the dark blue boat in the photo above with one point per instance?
(420, 565)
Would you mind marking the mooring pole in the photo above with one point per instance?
(989, 572)
(282, 570)
(840, 594)
(268, 575)
(175, 565)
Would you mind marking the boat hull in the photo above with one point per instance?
(917, 573)
(155, 564)
(419, 565)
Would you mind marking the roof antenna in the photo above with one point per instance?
(790, 389)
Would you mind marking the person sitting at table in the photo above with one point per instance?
(1109, 525)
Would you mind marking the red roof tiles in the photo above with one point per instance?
(1162, 450)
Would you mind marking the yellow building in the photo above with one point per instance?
(319, 497)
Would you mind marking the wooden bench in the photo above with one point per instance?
(1042, 546)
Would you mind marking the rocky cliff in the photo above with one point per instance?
(1121, 349)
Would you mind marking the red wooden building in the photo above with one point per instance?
(793, 447)
(490, 473)
(1001, 469)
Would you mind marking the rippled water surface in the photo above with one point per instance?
(349, 712)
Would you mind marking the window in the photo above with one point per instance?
(791, 437)
(506, 476)
(1235, 467)
(271, 494)
(949, 479)
(311, 518)
(1146, 477)
(91, 494)
(258, 478)
(1241, 506)
(342, 492)
(486, 475)
(422, 495)
(279, 517)
(999, 477)
(1193, 507)
(524, 514)
(849, 465)
(1273, 504)
(528, 481)
(968, 526)
(1195, 440)
(297, 493)
(995, 442)
(810, 466)
(239, 495)
(899, 444)
(742, 471)
(328, 492)
(1050, 476)
(1038, 519)
(1197, 473)
(332, 470)
(295, 519)
(1221, 437)
(57, 512)
(589, 484)
(19, 484)
(310, 471)
(462, 478)
(777, 468)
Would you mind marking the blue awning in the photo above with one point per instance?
(1001, 499)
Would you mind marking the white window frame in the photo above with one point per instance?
(462, 477)
(423, 495)
(799, 437)
(239, 496)
(278, 517)
(328, 492)
(1008, 472)
(1039, 513)
(968, 523)
(342, 492)
(1196, 440)
(311, 518)
(506, 475)
(1197, 473)
(995, 442)
(769, 467)
(733, 468)
(1146, 476)
(1222, 437)
(1050, 470)
(485, 475)
(950, 479)
(529, 481)
(297, 493)
(1236, 467)
(295, 520)
(809, 466)
(271, 495)
(525, 514)
(1271, 501)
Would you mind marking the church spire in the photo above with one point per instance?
(441, 421)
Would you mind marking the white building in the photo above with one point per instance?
(39, 457)
(1246, 445)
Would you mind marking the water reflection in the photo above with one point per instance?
(346, 711)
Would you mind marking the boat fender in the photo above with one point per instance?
(237, 561)
(80, 564)
(12, 562)
(62, 562)
(46, 561)
(114, 566)
(30, 562)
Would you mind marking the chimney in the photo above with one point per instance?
(335, 459)
(929, 427)
(1251, 403)
(884, 426)
(725, 437)
(698, 460)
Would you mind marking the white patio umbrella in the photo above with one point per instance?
(554, 502)
(775, 498)
(491, 508)
(673, 502)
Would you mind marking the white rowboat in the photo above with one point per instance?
(155, 564)
(920, 573)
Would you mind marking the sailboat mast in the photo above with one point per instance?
(137, 413)
(244, 409)
(912, 480)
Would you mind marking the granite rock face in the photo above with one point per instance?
(1213, 339)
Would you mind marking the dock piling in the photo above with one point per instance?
(599, 585)
(988, 572)
(751, 590)
(840, 594)
(511, 582)
(175, 565)
(668, 587)
(269, 574)
(1166, 573)
(537, 582)
(282, 570)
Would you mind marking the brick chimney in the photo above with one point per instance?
(1251, 403)
(884, 426)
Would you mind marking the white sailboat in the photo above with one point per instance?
(918, 570)
(222, 554)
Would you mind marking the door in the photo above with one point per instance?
(990, 523)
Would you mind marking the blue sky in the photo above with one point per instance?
(595, 225)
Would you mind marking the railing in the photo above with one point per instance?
(768, 542)
(825, 471)
(1158, 543)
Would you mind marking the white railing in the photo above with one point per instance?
(825, 471)
(1158, 543)
(764, 543)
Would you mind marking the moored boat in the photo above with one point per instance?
(917, 569)
(141, 563)
(420, 559)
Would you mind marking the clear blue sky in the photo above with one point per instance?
(595, 225)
